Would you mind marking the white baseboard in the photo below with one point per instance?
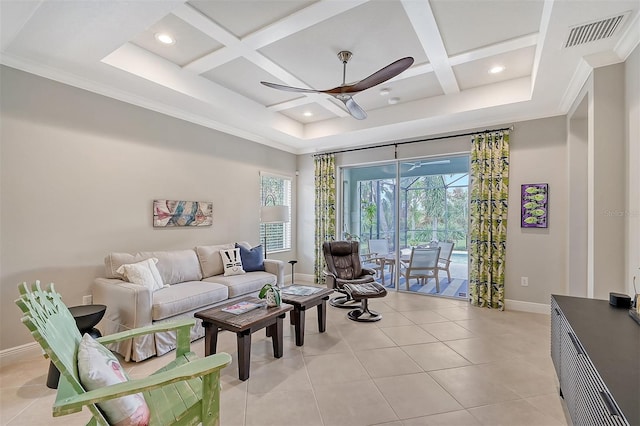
(20, 353)
(514, 305)
(536, 308)
(305, 278)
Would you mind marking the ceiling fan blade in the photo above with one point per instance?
(354, 109)
(288, 88)
(382, 75)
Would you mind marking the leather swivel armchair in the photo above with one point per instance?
(346, 275)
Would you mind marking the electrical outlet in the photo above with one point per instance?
(87, 300)
(524, 281)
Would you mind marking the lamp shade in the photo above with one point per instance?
(274, 214)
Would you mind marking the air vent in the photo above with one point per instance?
(593, 31)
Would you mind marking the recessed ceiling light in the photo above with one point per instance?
(497, 69)
(393, 101)
(307, 113)
(385, 91)
(164, 38)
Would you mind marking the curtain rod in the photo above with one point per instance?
(409, 142)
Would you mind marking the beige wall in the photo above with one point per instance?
(608, 181)
(632, 153)
(78, 175)
(598, 129)
(538, 155)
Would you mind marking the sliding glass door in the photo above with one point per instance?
(406, 209)
(369, 215)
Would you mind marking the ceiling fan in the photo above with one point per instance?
(419, 164)
(345, 91)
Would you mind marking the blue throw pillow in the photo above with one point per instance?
(252, 259)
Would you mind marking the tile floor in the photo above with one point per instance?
(429, 361)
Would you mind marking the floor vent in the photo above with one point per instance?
(593, 31)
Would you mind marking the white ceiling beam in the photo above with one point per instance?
(202, 22)
(545, 19)
(144, 64)
(232, 44)
(414, 71)
(306, 100)
(235, 48)
(299, 21)
(425, 26)
(293, 103)
(495, 49)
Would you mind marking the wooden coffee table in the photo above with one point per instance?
(243, 325)
(301, 304)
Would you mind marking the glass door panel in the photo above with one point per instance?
(433, 213)
(369, 215)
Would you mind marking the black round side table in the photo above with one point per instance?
(86, 316)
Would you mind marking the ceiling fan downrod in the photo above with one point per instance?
(344, 56)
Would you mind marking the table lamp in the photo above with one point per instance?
(273, 214)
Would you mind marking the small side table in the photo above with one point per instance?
(86, 316)
(300, 306)
(244, 325)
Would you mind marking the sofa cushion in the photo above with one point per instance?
(185, 297)
(252, 258)
(239, 285)
(210, 260)
(232, 262)
(144, 273)
(175, 266)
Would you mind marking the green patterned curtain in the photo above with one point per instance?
(488, 218)
(325, 185)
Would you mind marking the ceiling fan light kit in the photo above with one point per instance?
(345, 92)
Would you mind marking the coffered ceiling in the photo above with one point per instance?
(222, 49)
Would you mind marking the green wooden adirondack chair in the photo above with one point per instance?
(184, 392)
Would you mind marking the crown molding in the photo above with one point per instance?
(580, 76)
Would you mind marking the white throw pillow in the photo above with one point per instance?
(144, 273)
(232, 262)
(97, 368)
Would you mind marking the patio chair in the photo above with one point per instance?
(378, 252)
(422, 265)
(446, 248)
(185, 391)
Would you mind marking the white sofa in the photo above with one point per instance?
(196, 282)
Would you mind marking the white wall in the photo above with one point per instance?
(79, 173)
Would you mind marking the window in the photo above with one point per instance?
(275, 190)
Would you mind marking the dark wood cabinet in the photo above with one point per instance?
(595, 350)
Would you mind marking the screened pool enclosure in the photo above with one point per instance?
(406, 205)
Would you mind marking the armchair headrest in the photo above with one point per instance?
(342, 258)
(342, 248)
